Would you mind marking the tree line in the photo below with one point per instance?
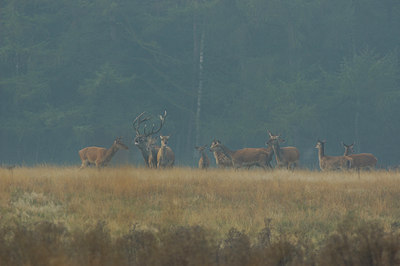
(76, 73)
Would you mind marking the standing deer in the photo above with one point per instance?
(361, 160)
(165, 155)
(246, 157)
(204, 162)
(331, 162)
(100, 156)
(285, 157)
(144, 140)
(221, 159)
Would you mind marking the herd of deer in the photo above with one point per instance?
(162, 156)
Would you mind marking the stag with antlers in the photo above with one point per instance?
(144, 140)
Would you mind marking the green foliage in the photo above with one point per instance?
(75, 73)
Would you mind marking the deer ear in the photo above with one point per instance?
(160, 137)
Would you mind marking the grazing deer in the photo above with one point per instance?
(360, 160)
(331, 162)
(100, 156)
(221, 159)
(246, 157)
(165, 155)
(204, 162)
(144, 140)
(285, 157)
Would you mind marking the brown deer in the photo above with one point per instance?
(246, 157)
(360, 160)
(165, 155)
(204, 161)
(144, 140)
(221, 159)
(100, 156)
(285, 157)
(327, 163)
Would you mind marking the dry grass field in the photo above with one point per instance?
(307, 207)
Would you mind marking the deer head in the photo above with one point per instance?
(118, 144)
(141, 139)
(273, 139)
(164, 140)
(201, 148)
(348, 149)
(215, 145)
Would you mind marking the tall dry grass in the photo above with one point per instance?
(183, 216)
(303, 203)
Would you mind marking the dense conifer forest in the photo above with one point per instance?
(75, 73)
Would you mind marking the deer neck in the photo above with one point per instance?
(145, 153)
(110, 153)
(225, 150)
(346, 151)
(163, 148)
(270, 149)
(321, 152)
(203, 155)
(277, 150)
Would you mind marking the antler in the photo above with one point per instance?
(272, 136)
(138, 120)
(162, 121)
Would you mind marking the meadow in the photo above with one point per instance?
(301, 217)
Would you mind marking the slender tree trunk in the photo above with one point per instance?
(200, 87)
(191, 118)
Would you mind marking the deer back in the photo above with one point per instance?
(248, 157)
(335, 163)
(363, 160)
(290, 154)
(91, 154)
(249, 154)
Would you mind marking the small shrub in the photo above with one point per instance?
(235, 249)
(187, 245)
(138, 248)
(362, 244)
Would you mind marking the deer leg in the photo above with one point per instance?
(84, 164)
(98, 164)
